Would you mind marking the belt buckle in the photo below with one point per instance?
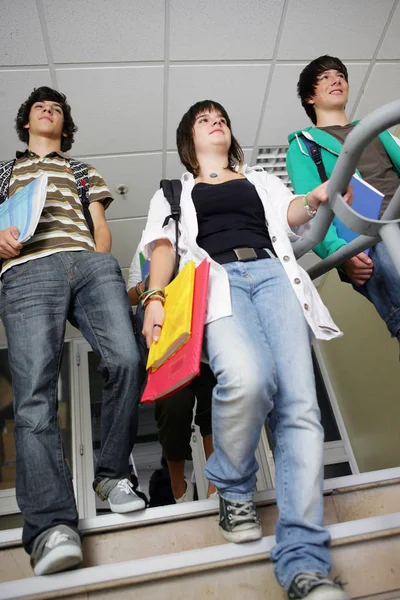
(245, 253)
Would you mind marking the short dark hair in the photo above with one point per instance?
(308, 80)
(40, 95)
(184, 137)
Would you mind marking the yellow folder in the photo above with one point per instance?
(177, 325)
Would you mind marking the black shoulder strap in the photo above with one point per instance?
(172, 189)
(81, 174)
(315, 152)
(6, 168)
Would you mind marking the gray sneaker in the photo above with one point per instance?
(314, 586)
(120, 495)
(57, 549)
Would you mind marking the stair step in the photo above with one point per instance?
(365, 555)
(164, 530)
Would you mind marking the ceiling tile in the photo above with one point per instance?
(104, 31)
(21, 41)
(117, 109)
(391, 46)
(281, 118)
(227, 29)
(15, 88)
(126, 236)
(141, 173)
(229, 85)
(383, 86)
(350, 30)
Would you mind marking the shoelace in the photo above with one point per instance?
(125, 486)
(56, 538)
(242, 512)
(307, 581)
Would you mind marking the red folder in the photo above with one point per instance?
(184, 365)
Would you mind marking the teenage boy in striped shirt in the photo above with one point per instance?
(63, 272)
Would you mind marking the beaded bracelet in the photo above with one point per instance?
(310, 211)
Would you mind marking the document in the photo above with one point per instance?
(367, 201)
(23, 209)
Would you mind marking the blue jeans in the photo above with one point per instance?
(261, 357)
(383, 289)
(37, 298)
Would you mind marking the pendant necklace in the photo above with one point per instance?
(213, 174)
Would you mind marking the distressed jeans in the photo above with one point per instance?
(261, 358)
(37, 298)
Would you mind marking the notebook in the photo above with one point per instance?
(23, 209)
(367, 201)
(184, 365)
(178, 317)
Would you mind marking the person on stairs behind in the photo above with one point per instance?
(63, 272)
(261, 308)
(323, 88)
(174, 415)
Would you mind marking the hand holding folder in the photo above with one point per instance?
(367, 201)
(178, 317)
(184, 365)
(23, 209)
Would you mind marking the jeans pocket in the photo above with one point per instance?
(16, 271)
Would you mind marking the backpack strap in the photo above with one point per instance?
(6, 168)
(172, 189)
(314, 151)
(81, 174)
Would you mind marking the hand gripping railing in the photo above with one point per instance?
(371, 231)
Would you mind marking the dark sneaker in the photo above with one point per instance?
(120, 495)
(314, 586)
(57, 549)
(239, 521)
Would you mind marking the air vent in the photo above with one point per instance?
(273, 160)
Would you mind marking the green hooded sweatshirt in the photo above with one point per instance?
(304, 175)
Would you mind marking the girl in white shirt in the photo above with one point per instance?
(261, 308)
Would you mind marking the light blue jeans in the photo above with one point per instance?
(261, 357)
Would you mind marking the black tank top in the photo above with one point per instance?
(230, 215)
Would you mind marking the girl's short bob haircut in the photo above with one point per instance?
(185, 143)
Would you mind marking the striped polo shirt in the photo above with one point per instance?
(62, 226)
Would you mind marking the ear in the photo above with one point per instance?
(64, 134)
(26, 126)
(310, 101)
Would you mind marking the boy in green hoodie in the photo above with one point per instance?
(323, 89)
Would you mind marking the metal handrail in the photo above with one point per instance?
(371, 231)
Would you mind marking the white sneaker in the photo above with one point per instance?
(188, 495)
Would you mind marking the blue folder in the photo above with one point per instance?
(367, 201)
(23, 209)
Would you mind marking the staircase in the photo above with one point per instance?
(176, 552)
